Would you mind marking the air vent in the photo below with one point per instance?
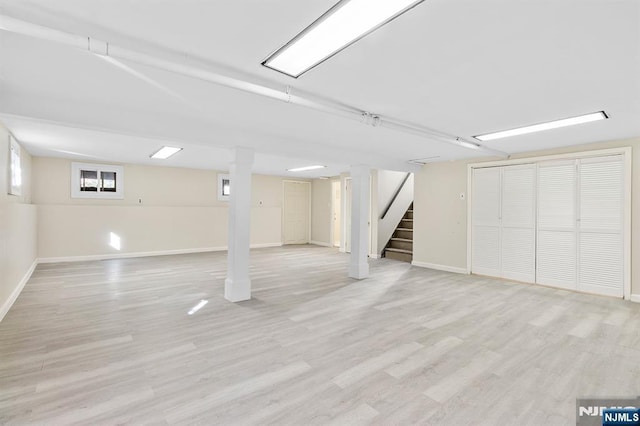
(423, 161)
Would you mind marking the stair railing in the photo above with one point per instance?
(395, 195)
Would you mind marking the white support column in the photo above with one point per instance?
(360, 190)
(237, 286)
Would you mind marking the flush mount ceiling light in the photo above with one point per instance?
(306, 168)
(165, 152)
(342, 25)
(586, 118)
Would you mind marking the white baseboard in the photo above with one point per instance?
(144, 254)
(263, 245)
(435, 266)
(374, 256)
(16, 292)
(635, 298)
(319, 243)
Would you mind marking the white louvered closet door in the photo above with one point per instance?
(518, 234)
(485, 222)
(600, 225)
(556, 254)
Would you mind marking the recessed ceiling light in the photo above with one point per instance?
(342, 25)
(306, 168)
(165, 152)
(586, 118)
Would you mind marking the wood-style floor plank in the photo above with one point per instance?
(111, 342)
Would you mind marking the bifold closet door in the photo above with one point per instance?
(556, 254)
(600, 225)
(518, 223)
(485, 222)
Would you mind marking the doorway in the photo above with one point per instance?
(296, 212)
(335, 213)
(346, 219)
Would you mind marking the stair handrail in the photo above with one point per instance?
(395, 195)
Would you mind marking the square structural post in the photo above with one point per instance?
(360, 204)
(237, 286)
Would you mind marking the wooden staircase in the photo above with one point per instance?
(400, 246)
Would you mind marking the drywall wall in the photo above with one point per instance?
(440, 215)
(164, 209)
(321, 211)
(17, 228)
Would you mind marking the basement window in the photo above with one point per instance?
(15, 170)
(97, 181)
(224, 187)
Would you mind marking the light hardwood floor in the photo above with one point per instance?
(110, 342)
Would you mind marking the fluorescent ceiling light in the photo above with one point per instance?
(587, 118)
(342, 25)
(165, 152)
(306, 168)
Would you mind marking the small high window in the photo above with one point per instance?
(224, 187)
(15, 172)
(96, 181)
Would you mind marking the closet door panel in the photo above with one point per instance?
(556, 251)
(600, 226)
(518, 239)
(485, 222)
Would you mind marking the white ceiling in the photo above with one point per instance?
(463, 67)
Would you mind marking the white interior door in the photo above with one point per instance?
(485, 222)
(556, 255)
(518, 223)
(336, 219)
(347, 215)
(600, 225)
(296, 211)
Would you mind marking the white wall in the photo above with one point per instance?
(164, 209)
(17, 228)
(440, 225)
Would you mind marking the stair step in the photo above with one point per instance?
(409, 219)
(410, 211)
(397, 250)
(404, 240)
(404, 229)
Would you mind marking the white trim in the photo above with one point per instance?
(262, 245)
(374, 256)
(16, 291)
(437, 267)
(635, 298)
(320, 243)
(566, 156)
(145, 254)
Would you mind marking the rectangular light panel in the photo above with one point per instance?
(165, 152)
(587, 118)
(345, 23)
(305, 168)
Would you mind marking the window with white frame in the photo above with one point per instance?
(224, 187)
(15, 168)
(97, 181)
